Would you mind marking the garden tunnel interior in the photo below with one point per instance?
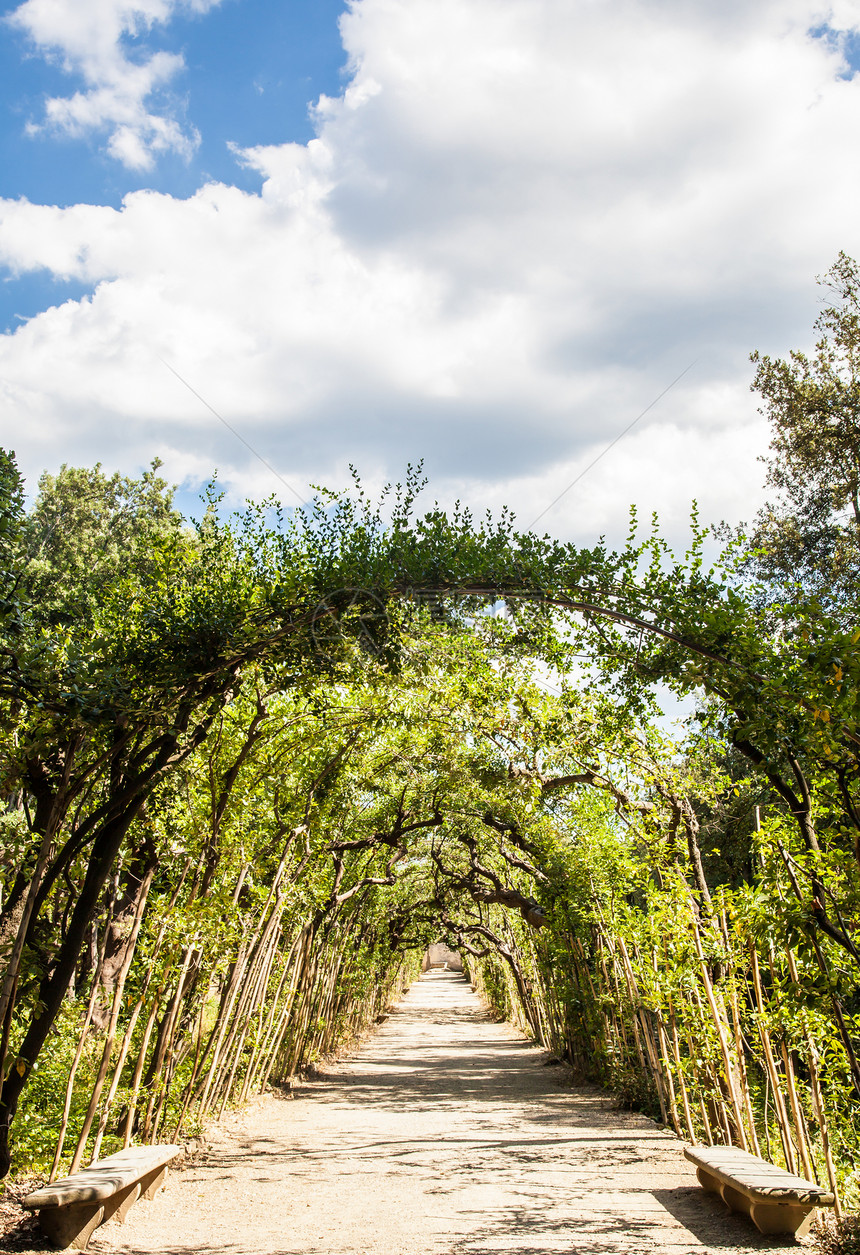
(231, 843)
(497, 828)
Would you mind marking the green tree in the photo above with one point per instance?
(422, 770)
(809, 536)
(87, 529)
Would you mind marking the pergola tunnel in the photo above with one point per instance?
(255, 776)
(596, 975)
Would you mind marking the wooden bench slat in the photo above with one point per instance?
(103, 1179)
(776, 1201)
(756, 1178)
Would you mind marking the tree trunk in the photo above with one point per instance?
(54, 985)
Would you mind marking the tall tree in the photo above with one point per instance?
(809, 535)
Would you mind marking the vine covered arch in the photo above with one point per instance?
(250, 775)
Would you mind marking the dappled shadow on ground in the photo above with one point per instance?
(713, 1223)
(444, 1135)
(610, 1213)
(528, 1226)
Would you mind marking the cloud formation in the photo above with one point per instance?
(518, 223)
(103, 43)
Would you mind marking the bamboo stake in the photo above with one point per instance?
(110, 1036)
(268, 1007)
(676, 1051)
(664, 1055)
(703, 1111)
(282, 1021)
(141, 1060)
(73, 1071)
(719, 1024)
(791, 1090)
(158, 1092)
(262, 1019)
(287, 1007)
(189, 1088)
(740, 1052)
(247, 953)
(222, 1025)
(305, 994)
(818, 1103)
(638, 1012)
(138, 1007)
(704, 1073)
(614, 1029)
(273, 1017)
(817, 1098)
(637, 1039)
(797, 1114)
(243, 1016)
(779, 1104)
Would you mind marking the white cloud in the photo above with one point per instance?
(520, 221)
(91, 40)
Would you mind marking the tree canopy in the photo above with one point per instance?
(253, 765)
(809, 537)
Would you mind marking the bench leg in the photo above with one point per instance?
(735, 1199)
(782, 1218)
(71, 1225)
(153, 1181)
(707, 1182)
(117, 1208)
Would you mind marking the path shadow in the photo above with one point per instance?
(525, 1231)
(534, 1167)
(714, 1224)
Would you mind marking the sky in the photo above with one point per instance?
(273, 238)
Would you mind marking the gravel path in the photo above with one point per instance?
(445, 1134)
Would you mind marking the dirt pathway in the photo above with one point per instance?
(445, 1134)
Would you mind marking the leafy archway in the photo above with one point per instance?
(272, 759)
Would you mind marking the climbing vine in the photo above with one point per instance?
(252, 767)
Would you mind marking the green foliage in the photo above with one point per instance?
(297, 750)
(88, 531)
(808, 539)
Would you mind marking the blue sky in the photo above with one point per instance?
(252, 70)
(506, 227)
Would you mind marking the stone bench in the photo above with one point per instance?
(776, 1201)
(70, 1209)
